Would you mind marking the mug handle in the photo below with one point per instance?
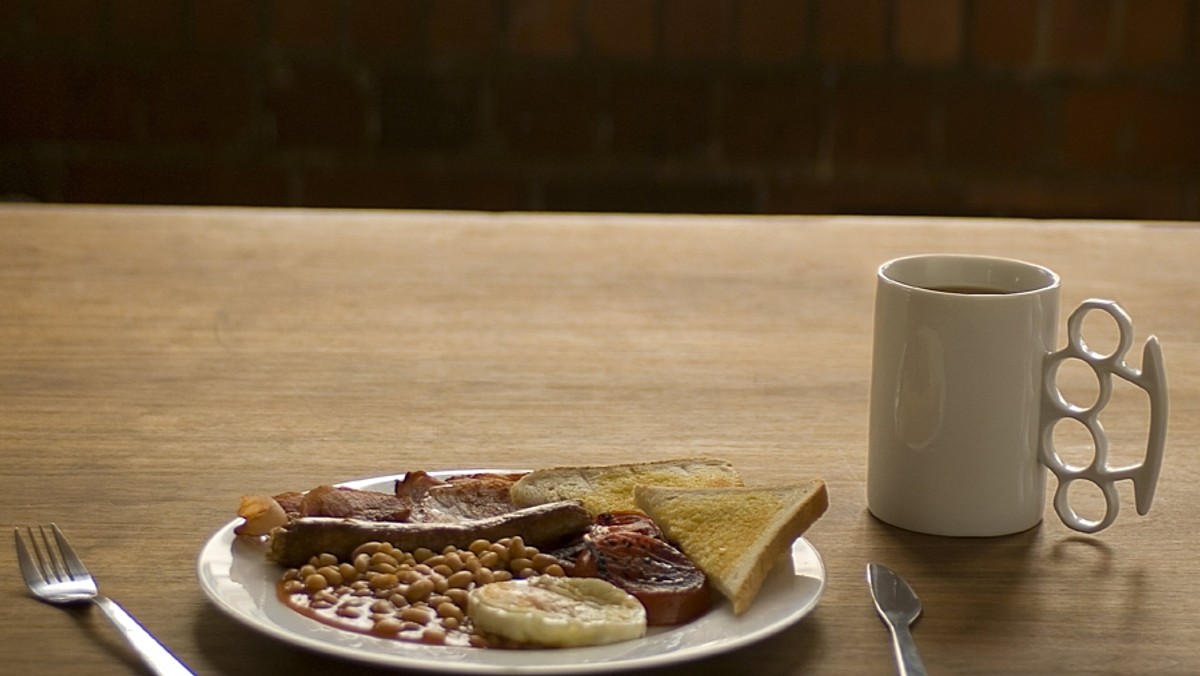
(1152, 378)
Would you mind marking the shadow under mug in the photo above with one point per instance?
(964, 399)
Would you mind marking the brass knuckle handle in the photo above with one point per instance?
(1151, 378)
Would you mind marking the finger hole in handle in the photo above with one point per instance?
(1063, 498)
(1124, 330)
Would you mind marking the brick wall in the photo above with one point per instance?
(1085, 108)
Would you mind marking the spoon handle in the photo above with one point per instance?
(907, 658)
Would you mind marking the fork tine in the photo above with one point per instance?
(29, 570)
(70, 558)
(48, 561)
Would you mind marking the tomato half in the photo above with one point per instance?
(668, 584)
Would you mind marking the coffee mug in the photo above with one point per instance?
(964, 399)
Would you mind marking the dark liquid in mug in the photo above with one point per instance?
(968, 289)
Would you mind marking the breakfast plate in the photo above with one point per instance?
(237, 578)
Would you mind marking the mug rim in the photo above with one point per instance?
(1004, 277)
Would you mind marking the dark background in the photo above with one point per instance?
(1040, 108)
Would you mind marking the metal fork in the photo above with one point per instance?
(58, 576)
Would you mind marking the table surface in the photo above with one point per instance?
(158, 363)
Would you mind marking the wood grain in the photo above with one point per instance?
(157, 363)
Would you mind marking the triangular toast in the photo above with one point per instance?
(734, 535)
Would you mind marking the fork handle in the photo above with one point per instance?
(154, 654)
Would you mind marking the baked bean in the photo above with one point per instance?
(439, 583)
(460, 580)
(449, 609)
(555, 570)
(383, 581)
(367, 548)
(479, 546)
(326, 559)
(458, 597)
(383, 557)
(422, 553)
(542, 561)
(388, 626)
(331, 574)
(519, 563)
(434, 635)
(419, 590)
(315, 582)
(349, 612)
(362, 563)
(414, 614)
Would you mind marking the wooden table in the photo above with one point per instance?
(157, 363)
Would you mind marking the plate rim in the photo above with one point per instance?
(706, 649)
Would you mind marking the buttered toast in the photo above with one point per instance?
(609, 488)
(734, 535)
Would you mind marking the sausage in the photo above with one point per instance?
(541, 526)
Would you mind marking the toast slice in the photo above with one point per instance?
(609, 488)
(734, 535)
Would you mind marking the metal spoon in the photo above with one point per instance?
(899, 607)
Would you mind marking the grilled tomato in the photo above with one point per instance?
(629, 551)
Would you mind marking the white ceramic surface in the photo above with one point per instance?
(241, 582)
(964, 399)
(955, 395)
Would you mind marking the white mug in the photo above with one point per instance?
(964, 399)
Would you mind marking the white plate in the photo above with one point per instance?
(241, 582)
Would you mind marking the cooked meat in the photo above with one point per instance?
(541, 526)
(290, 502)
(350, 503)
(419, 497)
(474, 496)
